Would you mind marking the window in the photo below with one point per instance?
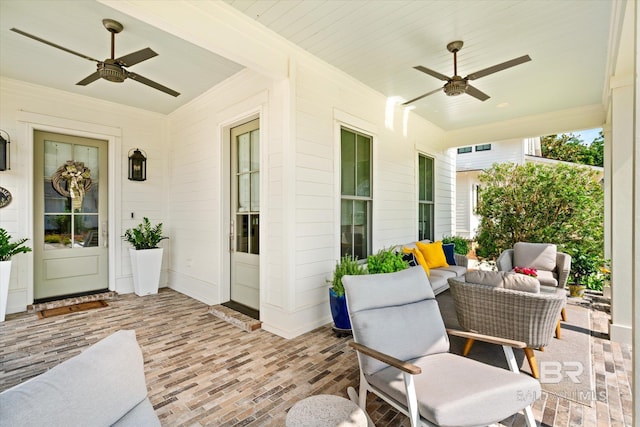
(483, 147)
(355, 205)
(463, 150)
(425, 197)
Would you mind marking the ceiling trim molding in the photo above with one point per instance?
(569, 120)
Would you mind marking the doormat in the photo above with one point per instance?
(83, 306)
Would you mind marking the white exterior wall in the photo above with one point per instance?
(511, 150)
(25, 107)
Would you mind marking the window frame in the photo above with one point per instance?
(483, 147)
(465, 150)
(355, 198)
(430, 234)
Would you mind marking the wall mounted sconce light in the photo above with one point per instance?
(137, 165)
(5, 158)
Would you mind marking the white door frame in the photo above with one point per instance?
(30, 122)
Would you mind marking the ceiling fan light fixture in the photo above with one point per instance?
(111, 72)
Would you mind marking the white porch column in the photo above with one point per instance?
(621, 191)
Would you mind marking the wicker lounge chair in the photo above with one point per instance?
(511, 314)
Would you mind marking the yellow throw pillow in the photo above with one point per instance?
(433, 254)
(419, 258)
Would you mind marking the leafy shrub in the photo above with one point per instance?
(144, 236)
(8, 248)
(386, 261)
(559, 204)
(460, 244)
(346, 266)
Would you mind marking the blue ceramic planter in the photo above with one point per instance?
(339, 310)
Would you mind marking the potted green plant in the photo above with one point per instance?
(7, 250)
(146, 256)
(583, 265)
(386, 260)
(347, 265)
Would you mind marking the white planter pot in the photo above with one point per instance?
(146, 265)
(5, 275)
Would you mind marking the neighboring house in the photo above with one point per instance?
(471, 160)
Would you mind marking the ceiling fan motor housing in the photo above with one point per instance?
(111, 71)
(456, 86)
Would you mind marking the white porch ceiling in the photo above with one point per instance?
(377, 42)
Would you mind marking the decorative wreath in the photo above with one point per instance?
(77, 178)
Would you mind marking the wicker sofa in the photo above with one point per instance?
(530, 316)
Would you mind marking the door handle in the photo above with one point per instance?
(232, 237)
(105, 234)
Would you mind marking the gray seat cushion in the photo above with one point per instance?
(458, 270)
(141, 415)
(548, 278)
(438, 279)
(99, 386)
(456, 391)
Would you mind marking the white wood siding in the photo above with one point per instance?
(139, 129)
(501, 151)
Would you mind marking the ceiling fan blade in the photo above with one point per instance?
(476, 93)
(146, 81)
(136, 57)
(422, 96)
(89, 79)
(499, 67)
(31, 36)
(435, 74)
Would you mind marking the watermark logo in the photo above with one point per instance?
(554, 372)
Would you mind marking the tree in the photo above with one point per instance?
(559, 204)
(568, 148)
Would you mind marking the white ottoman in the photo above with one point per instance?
(325, 410)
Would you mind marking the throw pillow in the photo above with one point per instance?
(433, 254)
(483, 277)
(410, 258)
(448, 249)
(521, 282)
(541, 256)
(418, 257)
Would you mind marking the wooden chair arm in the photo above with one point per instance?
(486, 338)
(385, 358)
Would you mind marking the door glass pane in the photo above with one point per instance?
(89, 156)
(255, 150)
(255, 192)
(363, 167)
(425, 222)
(55, 155)
(348, 161)
(90, 200)
(244, 154)
(85, 231)
(254, 247)
(57, 231)
(242, 233)
(55, 202)
(244, 192)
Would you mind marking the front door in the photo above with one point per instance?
(70, 216)
(245, 215)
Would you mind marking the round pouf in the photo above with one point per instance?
(325, 410)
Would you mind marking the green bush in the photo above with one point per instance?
(561, 204)
(144, 236)
(346, 266)
(8, 248)
(460, 244)
(386, 261)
